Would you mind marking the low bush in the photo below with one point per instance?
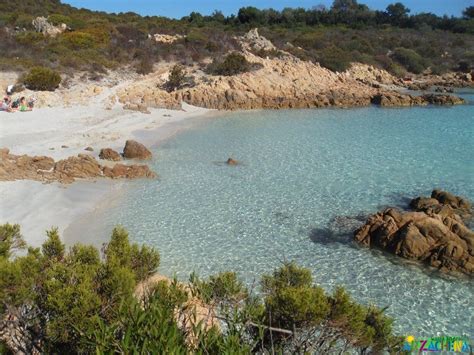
(410, 59)
(78, 40)
(334, 59)
(43, 79)
(233, 64)
(57, 19)
(29, 38)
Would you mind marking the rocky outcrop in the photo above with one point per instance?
(122, 171)
(135, 150)
(164, 38)
(433, 234)
(394, 98)
(371, 75)
(450, 79)
(253, 41)
(444, 204)
(282, 81)
(41, 168)
(441, 99)
(109, 154)
(144, 95)
(42, 25)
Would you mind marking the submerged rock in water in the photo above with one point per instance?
(433, 234)
(231, 161)
(135, 150)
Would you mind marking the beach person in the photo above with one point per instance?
(5, 105)
(10, 90)
(24, 105)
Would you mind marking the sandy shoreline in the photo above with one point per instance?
(37, 206)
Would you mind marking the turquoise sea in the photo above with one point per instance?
(307, 179)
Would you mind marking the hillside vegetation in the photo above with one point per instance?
(346, 32)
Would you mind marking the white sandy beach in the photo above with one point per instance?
(44, 131)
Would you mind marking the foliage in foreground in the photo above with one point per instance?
(79, 301)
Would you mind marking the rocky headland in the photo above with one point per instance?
(283, 81)
(435, 232)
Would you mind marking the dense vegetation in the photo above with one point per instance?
(43, 79)
(348, 31)
(82, 301)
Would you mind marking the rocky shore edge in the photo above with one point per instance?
(435, 232)
(83, 166)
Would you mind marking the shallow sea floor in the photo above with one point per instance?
(306, 180)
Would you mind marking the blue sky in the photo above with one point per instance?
(178, 9)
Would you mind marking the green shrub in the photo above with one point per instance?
(176, 78)
(29, 38)
(334, 59)
(44, 79)
(233, 64)
(78, 40)
(58, 19)
(196, 37)
(24, 21)
(410, 59)
(397, 70)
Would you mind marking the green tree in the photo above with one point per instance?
(468, 12)
(176, 78)
(10, 239)
(249, 14)
(53, 248)
(397, 13)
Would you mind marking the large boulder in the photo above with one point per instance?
(254, 41)
(42, 25)
(109, 154)
(432, 234)
(83, 167)
(135, 150)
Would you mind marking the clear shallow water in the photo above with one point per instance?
(301, 171)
